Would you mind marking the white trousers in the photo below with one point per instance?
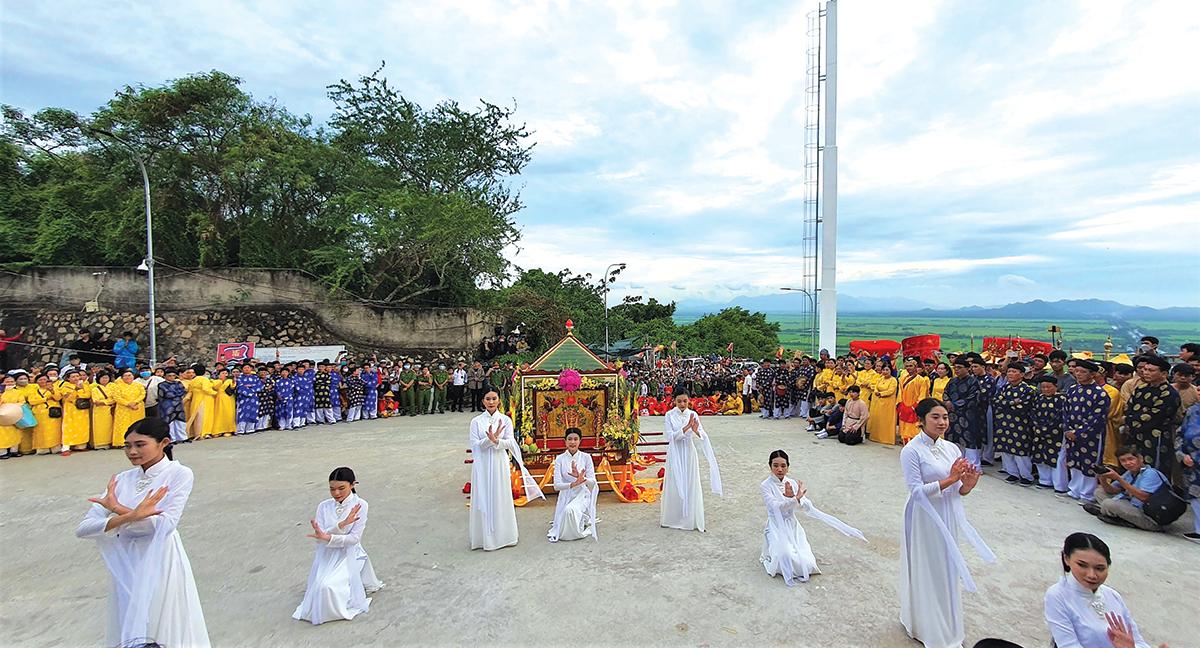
(1082, 487)
(178, 431)
(246, 428)
(312, 417)
(369, 413)
(264, 422)
(1017, 466)
(1196, 514)
(1062, 477)
(325, 415)
(353, 412)
(299, 421)
(973, 456)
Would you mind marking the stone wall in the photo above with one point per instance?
(196, 310)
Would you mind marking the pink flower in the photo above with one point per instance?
(569, 380)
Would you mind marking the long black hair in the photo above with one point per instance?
(156, 429)
(1079, 540)
(926, 406)
(776, 454)
(345, 474)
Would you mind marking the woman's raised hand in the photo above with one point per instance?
(149, 506)
(317, 533)
(1118, 634)
(351, 517)
(970, 476)
(109, 501)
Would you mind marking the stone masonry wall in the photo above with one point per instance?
(196, 312)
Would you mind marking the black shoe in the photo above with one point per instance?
(1116, 521)
(1002, 471)
(1043, 486)
(1012, 479)
(1194, 537)
(1091, 507)
(1058, 492)
(986, 463)
(1026, 482)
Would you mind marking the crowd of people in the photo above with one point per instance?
(100, 388)
(1108, 434)
(1054, 422)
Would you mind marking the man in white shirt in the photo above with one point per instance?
(151, 385)
(747, 390)
(458, 386)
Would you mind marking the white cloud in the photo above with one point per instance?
(1015, 281)
(1144, 227)
(563, 132)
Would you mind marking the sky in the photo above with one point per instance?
(989, 152)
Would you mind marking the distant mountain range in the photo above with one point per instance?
(1063, 309)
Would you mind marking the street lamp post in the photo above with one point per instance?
(609, 275)
(812, 309)
(149, 262)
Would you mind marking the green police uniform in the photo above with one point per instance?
(408, 392)
(424, 393)
(441, 378)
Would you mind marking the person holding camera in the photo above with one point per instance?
(1120, 498)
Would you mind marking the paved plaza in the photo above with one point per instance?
(244, 531)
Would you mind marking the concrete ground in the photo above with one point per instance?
(639, 585)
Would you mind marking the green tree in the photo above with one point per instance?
(751, 334)
(543, 301)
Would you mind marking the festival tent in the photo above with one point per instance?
(618, 349)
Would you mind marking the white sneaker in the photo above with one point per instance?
(822, 435)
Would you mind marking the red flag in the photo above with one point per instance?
(729, 349)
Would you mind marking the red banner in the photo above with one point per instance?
(234, 352)
(998, 347)
(874, 347)
(922, 346)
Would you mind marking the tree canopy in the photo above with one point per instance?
(391, 201)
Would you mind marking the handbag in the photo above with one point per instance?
(27, 419)
(1165, 505)
(83, 403)
(230, 391)
(54, 411)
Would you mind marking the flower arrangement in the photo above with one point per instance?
(569, 380)
(617, 432)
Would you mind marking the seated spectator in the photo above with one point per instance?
(817, 418)
(833, 422)
(1120, 498)
(854, 419)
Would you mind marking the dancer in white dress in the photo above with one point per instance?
(785, 548)
(938, 477)
(341, 574)
(682, 502)
(575, 481)
(493, 522)
(1081, 611)
(152, 598)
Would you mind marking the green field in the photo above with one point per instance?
(957, 332)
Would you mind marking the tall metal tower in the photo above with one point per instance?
(819, 247)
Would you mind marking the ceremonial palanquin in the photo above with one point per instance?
(570, 387)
